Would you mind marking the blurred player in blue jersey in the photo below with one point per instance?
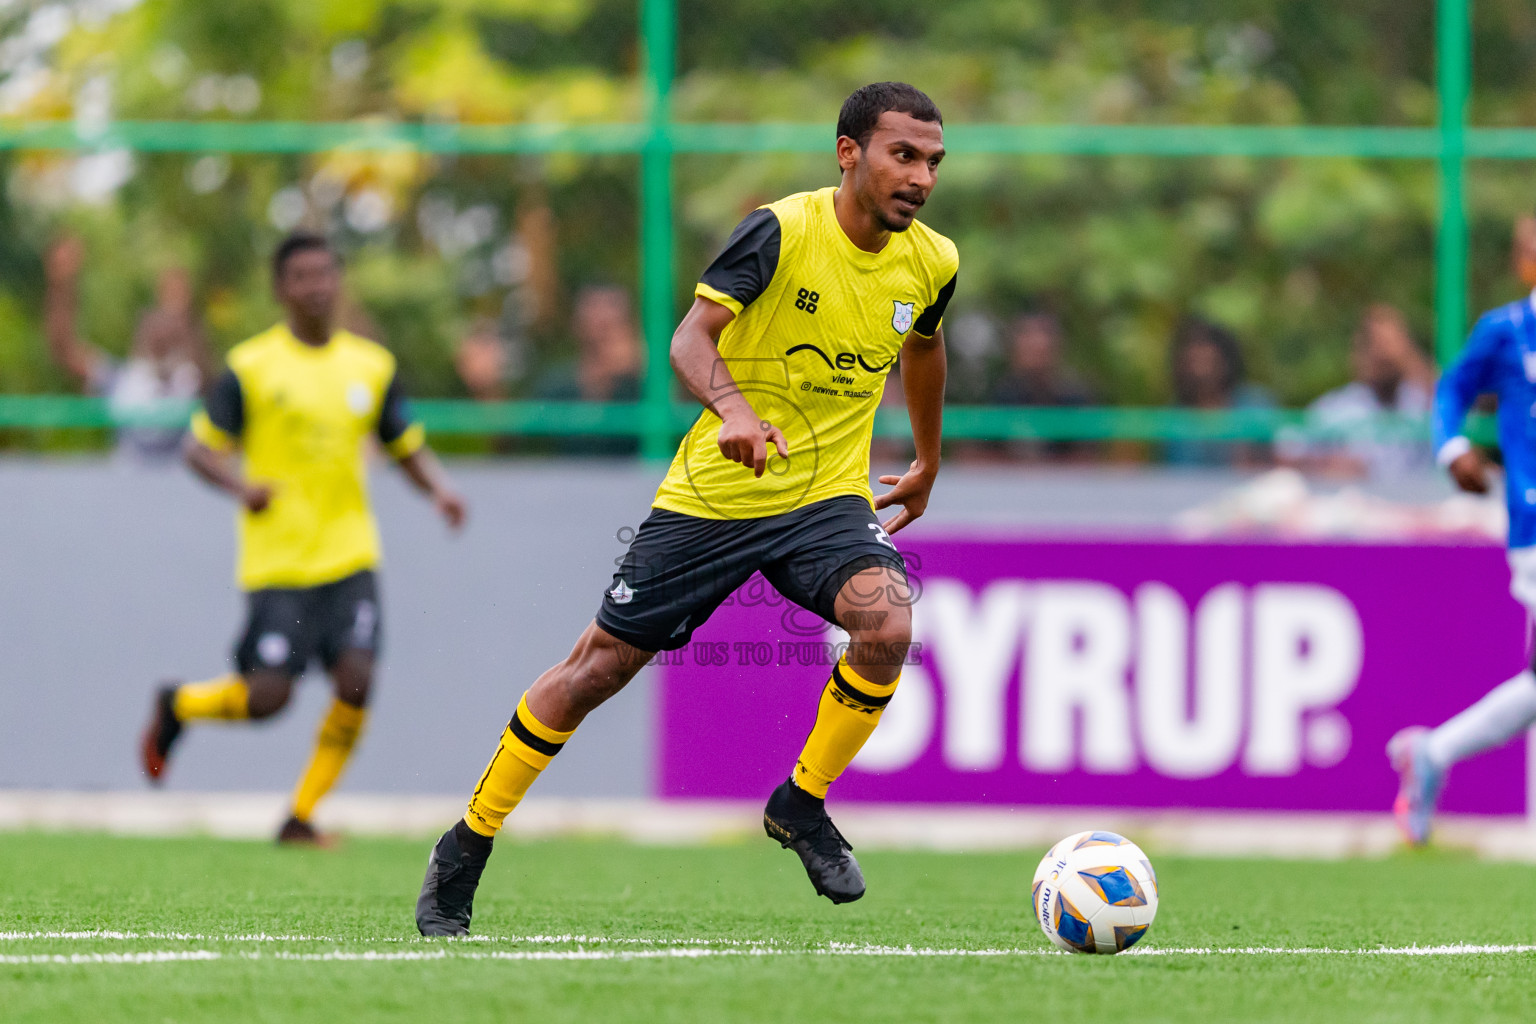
(1500, 359)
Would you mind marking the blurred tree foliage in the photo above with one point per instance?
(1286, 252)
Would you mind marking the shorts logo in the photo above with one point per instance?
(273, 648)
(363, 625)
(901, 319)
(623, 593)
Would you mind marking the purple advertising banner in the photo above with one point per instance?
(1122, 674)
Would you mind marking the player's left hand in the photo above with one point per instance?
(910, 491)
(451, 507)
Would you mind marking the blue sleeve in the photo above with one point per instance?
(1473, 373)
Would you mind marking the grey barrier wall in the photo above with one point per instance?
(114, 575)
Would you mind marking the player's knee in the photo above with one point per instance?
(268, 693)
(886, 627)
(353, 679)
(879, 644)
(354, 688)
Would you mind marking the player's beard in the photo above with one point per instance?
(890, 225)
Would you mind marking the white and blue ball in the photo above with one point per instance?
(1095, 892)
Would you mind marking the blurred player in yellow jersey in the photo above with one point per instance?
(793, 330)
(299, 403)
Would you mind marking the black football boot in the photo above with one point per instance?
(453, 873)
(296, 832)
(160, 734)
(798, 821)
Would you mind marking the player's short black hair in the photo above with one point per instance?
(295, 243)
(861, 111)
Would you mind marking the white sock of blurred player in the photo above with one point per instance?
(1505, 712)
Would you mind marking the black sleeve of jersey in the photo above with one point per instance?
(929, 321)
(749, 260)
(394, 416)
(225, 404)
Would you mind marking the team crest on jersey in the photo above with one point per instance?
(359, 398)
(901, 320)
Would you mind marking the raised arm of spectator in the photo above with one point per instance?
(62, 269)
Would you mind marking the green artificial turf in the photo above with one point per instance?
(218, 897)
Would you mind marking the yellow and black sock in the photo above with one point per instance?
(333, 746)
(850, 709)
(527, 747)
(226, 698)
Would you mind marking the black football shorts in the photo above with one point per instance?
(680, 568)
(287, 628)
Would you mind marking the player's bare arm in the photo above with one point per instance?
(923, 372)
(426, 473)
(222, 471)
(744, 436)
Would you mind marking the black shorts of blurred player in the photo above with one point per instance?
(339, 624)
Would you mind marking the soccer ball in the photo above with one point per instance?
(1095, 892)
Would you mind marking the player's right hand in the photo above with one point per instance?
(256, 497)
(745, 439)
(1470, 472)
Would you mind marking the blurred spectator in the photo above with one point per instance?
(481, 360)
(1366, 428)
(484, 362)
(1208, 373)
(610, 359)
(1037, 375)
(168, 358)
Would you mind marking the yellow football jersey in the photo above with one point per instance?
(819, 323)
(301, 415)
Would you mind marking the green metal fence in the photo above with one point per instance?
(656, 419)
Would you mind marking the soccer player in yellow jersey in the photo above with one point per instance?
(792, 333)
(299, 402)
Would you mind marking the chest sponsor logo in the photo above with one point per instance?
(839, 360)
(901, 319)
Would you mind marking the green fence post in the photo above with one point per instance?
(1453, 64)
(658, 28)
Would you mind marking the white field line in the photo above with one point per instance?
(691, 950)
(158, 957)
(121, 936)
(522, 940)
